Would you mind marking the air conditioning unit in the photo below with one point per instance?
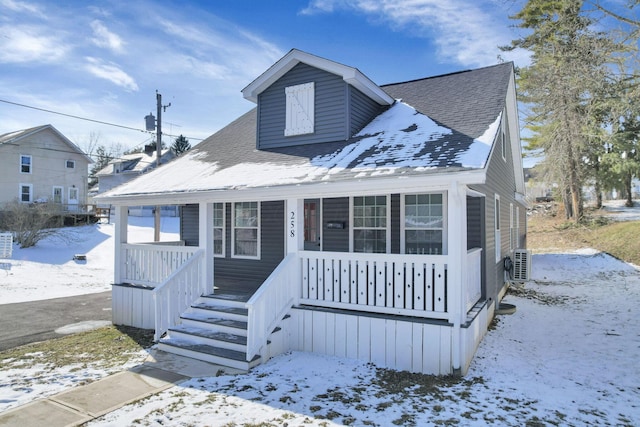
(521, 265)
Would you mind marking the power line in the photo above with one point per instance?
(87, 119)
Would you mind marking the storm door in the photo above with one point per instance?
(312, 225)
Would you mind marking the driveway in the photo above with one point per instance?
(27, 322)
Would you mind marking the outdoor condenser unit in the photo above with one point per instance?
(521, 265)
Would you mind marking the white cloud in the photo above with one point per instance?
(19, 6)
(21, 44)
(466, 32)
(105, 38)
(110, 72)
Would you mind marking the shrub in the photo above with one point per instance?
(30, 223)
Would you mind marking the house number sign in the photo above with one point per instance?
(292, 232)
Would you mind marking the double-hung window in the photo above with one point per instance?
(423, 224)
(26, 193)
(25, 163)
(218, 229)
(246, 230)
(370, 224)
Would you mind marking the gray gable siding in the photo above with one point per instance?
(340, 110)
(361, 110)
(330, 101)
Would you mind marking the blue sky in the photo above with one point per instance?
(105, 59)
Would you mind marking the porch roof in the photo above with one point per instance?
(425, 134)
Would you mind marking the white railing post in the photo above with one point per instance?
(206, 244)
(121, 224)
(271, 302)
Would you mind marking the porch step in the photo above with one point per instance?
(213, 329)
(207, 336)
(220, 356)
(215, 323)
(235, 313)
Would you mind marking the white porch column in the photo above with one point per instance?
(120, 237)
(205, 238)
(457, 269)
(294, 225)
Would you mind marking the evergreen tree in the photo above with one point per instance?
(569, 72)
(181, 145)
(101, 158)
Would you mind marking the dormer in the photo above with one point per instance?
(305, 99)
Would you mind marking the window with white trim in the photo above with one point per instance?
(246, 230)
(26, 193)
(218, 229)
(424, 224)
(25, 163)
(498, 238)
(300, 109)
(70, 164)
(370, 225)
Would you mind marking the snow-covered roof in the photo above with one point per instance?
(134, 163)
(427, 132)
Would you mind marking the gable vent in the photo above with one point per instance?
(300, 109)
(521, 265)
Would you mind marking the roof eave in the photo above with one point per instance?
(340, 188)
(350, 75)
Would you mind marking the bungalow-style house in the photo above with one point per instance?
(128, 166)
(40, 164)
(337, 217)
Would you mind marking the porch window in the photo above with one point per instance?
(423, 224)
(218, 229)
(26, 193)
(370, 224)
(246, 225)
(25, 164)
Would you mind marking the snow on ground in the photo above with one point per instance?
(48, 270)
(568, 356)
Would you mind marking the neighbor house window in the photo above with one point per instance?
(370, 224)
(218, 229)
(25, 164)
(26, 193)
(246, 230)
(498, 240)
(423, 224)
(71, 164)
(300, 109)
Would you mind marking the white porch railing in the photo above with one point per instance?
(271, 302)
(473, 288)
(151, 264)
(178, 292)
(412, 285)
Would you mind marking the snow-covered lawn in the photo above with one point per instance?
(568, 356)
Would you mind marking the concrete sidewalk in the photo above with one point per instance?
(85, 403)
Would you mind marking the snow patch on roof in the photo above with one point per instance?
(398, 141)
(478, 153)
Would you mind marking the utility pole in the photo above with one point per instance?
(149, 124)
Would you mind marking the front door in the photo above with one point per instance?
(72, 201)
(312, 225)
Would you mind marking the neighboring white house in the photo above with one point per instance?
(40, 164)
(337, 217)
(129, 166)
